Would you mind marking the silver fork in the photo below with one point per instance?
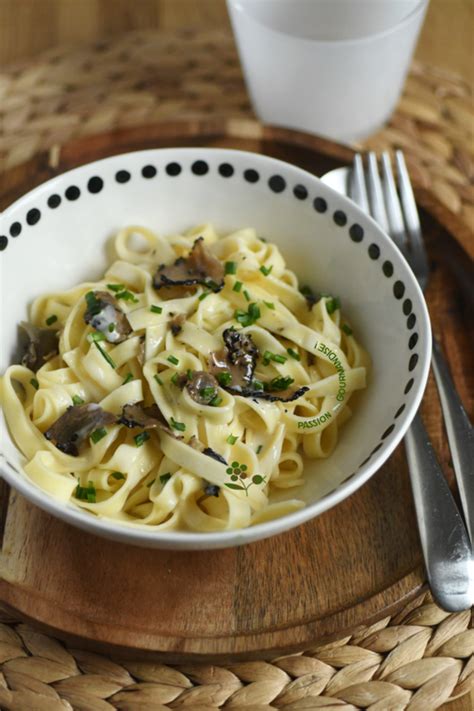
(445, 541)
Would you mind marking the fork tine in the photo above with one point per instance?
(357, 189)
(377, 207)
(418, 258)
(392, 204)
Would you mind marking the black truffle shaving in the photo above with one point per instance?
(283, 396)
(199, 267)
(104, 314)
(215, 455)
(38, 345)
(75, 425)
(146, 418)
(238, 358)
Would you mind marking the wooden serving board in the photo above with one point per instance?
(354, 564)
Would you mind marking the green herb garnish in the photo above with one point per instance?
(247, 295)
(269, 305)
(127, 378)
(224, 378)
(165, 477)
(156, 309)
(333, 304)
(141, 438)
(237, 286)
(86, 493)
(247, 318)
(99, 434)
(207, 393)
(104, 354)
(77, 400)
(118, 475)
(95, 336)
(347, 329)
(158, 379)
(93, 304)
(127, 295)
(231, 439)
(293, 354)
(180, 426)
(202, 296)
(111, 327)
(34, 383)
(268, 356)
(174, 379)
(172, 359)
(257, 384)
(259, 448)
(216, 401)
(51, 319)
(266, 270)
(230, 267)
(280, 383)
(116, 287)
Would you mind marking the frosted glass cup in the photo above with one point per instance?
(331, 67)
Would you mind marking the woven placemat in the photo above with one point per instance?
(416, 660)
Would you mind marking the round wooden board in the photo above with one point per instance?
(352, 565)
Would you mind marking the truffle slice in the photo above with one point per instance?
(39, 345)
(199, 267)
(234, 365)
(75, 425)
(105, 315)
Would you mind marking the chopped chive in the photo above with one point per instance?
(77, 400)
(230, 267)
(93, 304)
(141, 438)
(268, 356)
(280, 383)
(105, 355)
(257, 384)
(172, 359)
(266, 270)
(127, 295)
(237, 286)
(293, 354)
(332, 305)
(91, 493)
(95, 336)
(116, 287)
(216, 401)
(262, 239)
(269, 305)
(158, 379)
(189, 374)
(202, 296)
(165, 477)
(231, 439)
(259, 448)
(86, 493)
(224, 378)
(34, 383)
(207, 393)
(174, 379)
(127, 378)
(111, 327)
(118, 475)
(150, 483)
(247, 295)
(247, 318)
(180, 426)
(51, 319)
(99, 434)
(156, 309)
(347, 329)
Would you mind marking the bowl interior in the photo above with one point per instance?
(325, 239)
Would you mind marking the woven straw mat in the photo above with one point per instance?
(416, 660)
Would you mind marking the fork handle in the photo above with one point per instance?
(460, 434)
(444, 540)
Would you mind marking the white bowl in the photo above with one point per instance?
(332, 67)
(61, 228)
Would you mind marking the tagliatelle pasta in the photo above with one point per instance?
(183, 388)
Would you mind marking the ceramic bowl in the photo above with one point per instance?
(54, 237)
